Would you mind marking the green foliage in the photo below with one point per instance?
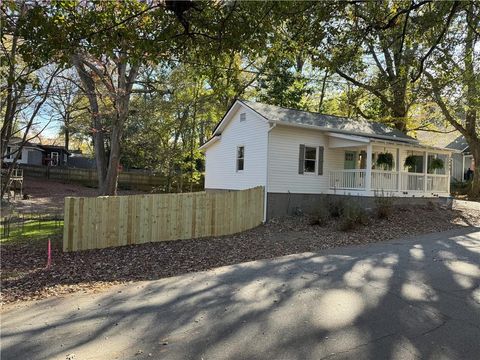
(321, 217)
(378, 54)
(353, 215)
(283, 85)
(436, 163)
(410, 162)
(385, 160)
(32, 230)
(383, 205)
(336, 206)
(196, 57)
(164, 130)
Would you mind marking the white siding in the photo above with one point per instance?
(284, 145)
(23, 160)
(457, 167)
(220, 157)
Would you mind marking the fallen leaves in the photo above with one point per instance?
(24, 276)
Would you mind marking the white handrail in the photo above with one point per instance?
(354, 179)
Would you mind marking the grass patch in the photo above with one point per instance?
(31, 230)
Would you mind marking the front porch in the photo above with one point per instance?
(363, 174)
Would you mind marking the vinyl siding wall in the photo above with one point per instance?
(27, 153)
(220, 157)
(283, 157)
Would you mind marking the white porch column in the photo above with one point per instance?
(449, 171)
(368, 173)
(425, 171)
(397, 167)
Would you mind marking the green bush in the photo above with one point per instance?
(353, 215)
(321, 217)
(460, 188)
(336, 205)
(383, 205)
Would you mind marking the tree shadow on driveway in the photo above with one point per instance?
(413, 298)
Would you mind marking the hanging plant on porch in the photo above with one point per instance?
(385, 160)
(436, 164)
(410, 161)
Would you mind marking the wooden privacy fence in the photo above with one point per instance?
(92, 223)
(134, 180)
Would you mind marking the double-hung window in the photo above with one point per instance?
(310, 159)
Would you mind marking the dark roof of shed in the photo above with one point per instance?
(55, 147)
(330, 122)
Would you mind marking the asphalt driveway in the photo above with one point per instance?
(415, 298)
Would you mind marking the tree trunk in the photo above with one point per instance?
(8, 104)
(471, 115)
(474, 191)
(111, 179)
(322, 93)
(67, 131)
(98, 136)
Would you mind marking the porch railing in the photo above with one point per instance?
(412, 182)
(348, 179)
(388, 181)
(384, 180)
(438, 182)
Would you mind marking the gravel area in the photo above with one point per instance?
(24, 276)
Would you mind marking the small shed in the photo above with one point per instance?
(55, 155)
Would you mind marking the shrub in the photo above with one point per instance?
(460, 188)
(384, 205)
(321, 217)
(353, 215)
(336, 206)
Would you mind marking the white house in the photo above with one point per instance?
(300, 156)
(31, 154)
(462, 158)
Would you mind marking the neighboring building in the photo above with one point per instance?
(78, 160)
(462, 158)
(297, 155)
(31, 154)
(55, 155)
(461, 161)
(36, 154)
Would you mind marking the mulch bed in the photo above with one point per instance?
(24, 276)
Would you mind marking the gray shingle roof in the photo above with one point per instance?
(330, 122)
(448, 139)
(460, 143)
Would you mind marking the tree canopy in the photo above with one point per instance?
(161, 73)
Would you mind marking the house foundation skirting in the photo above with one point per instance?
(283, 204)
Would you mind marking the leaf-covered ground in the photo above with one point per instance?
(24, 276)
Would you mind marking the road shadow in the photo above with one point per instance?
(412, 299)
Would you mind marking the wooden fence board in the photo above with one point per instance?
(105, 221)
